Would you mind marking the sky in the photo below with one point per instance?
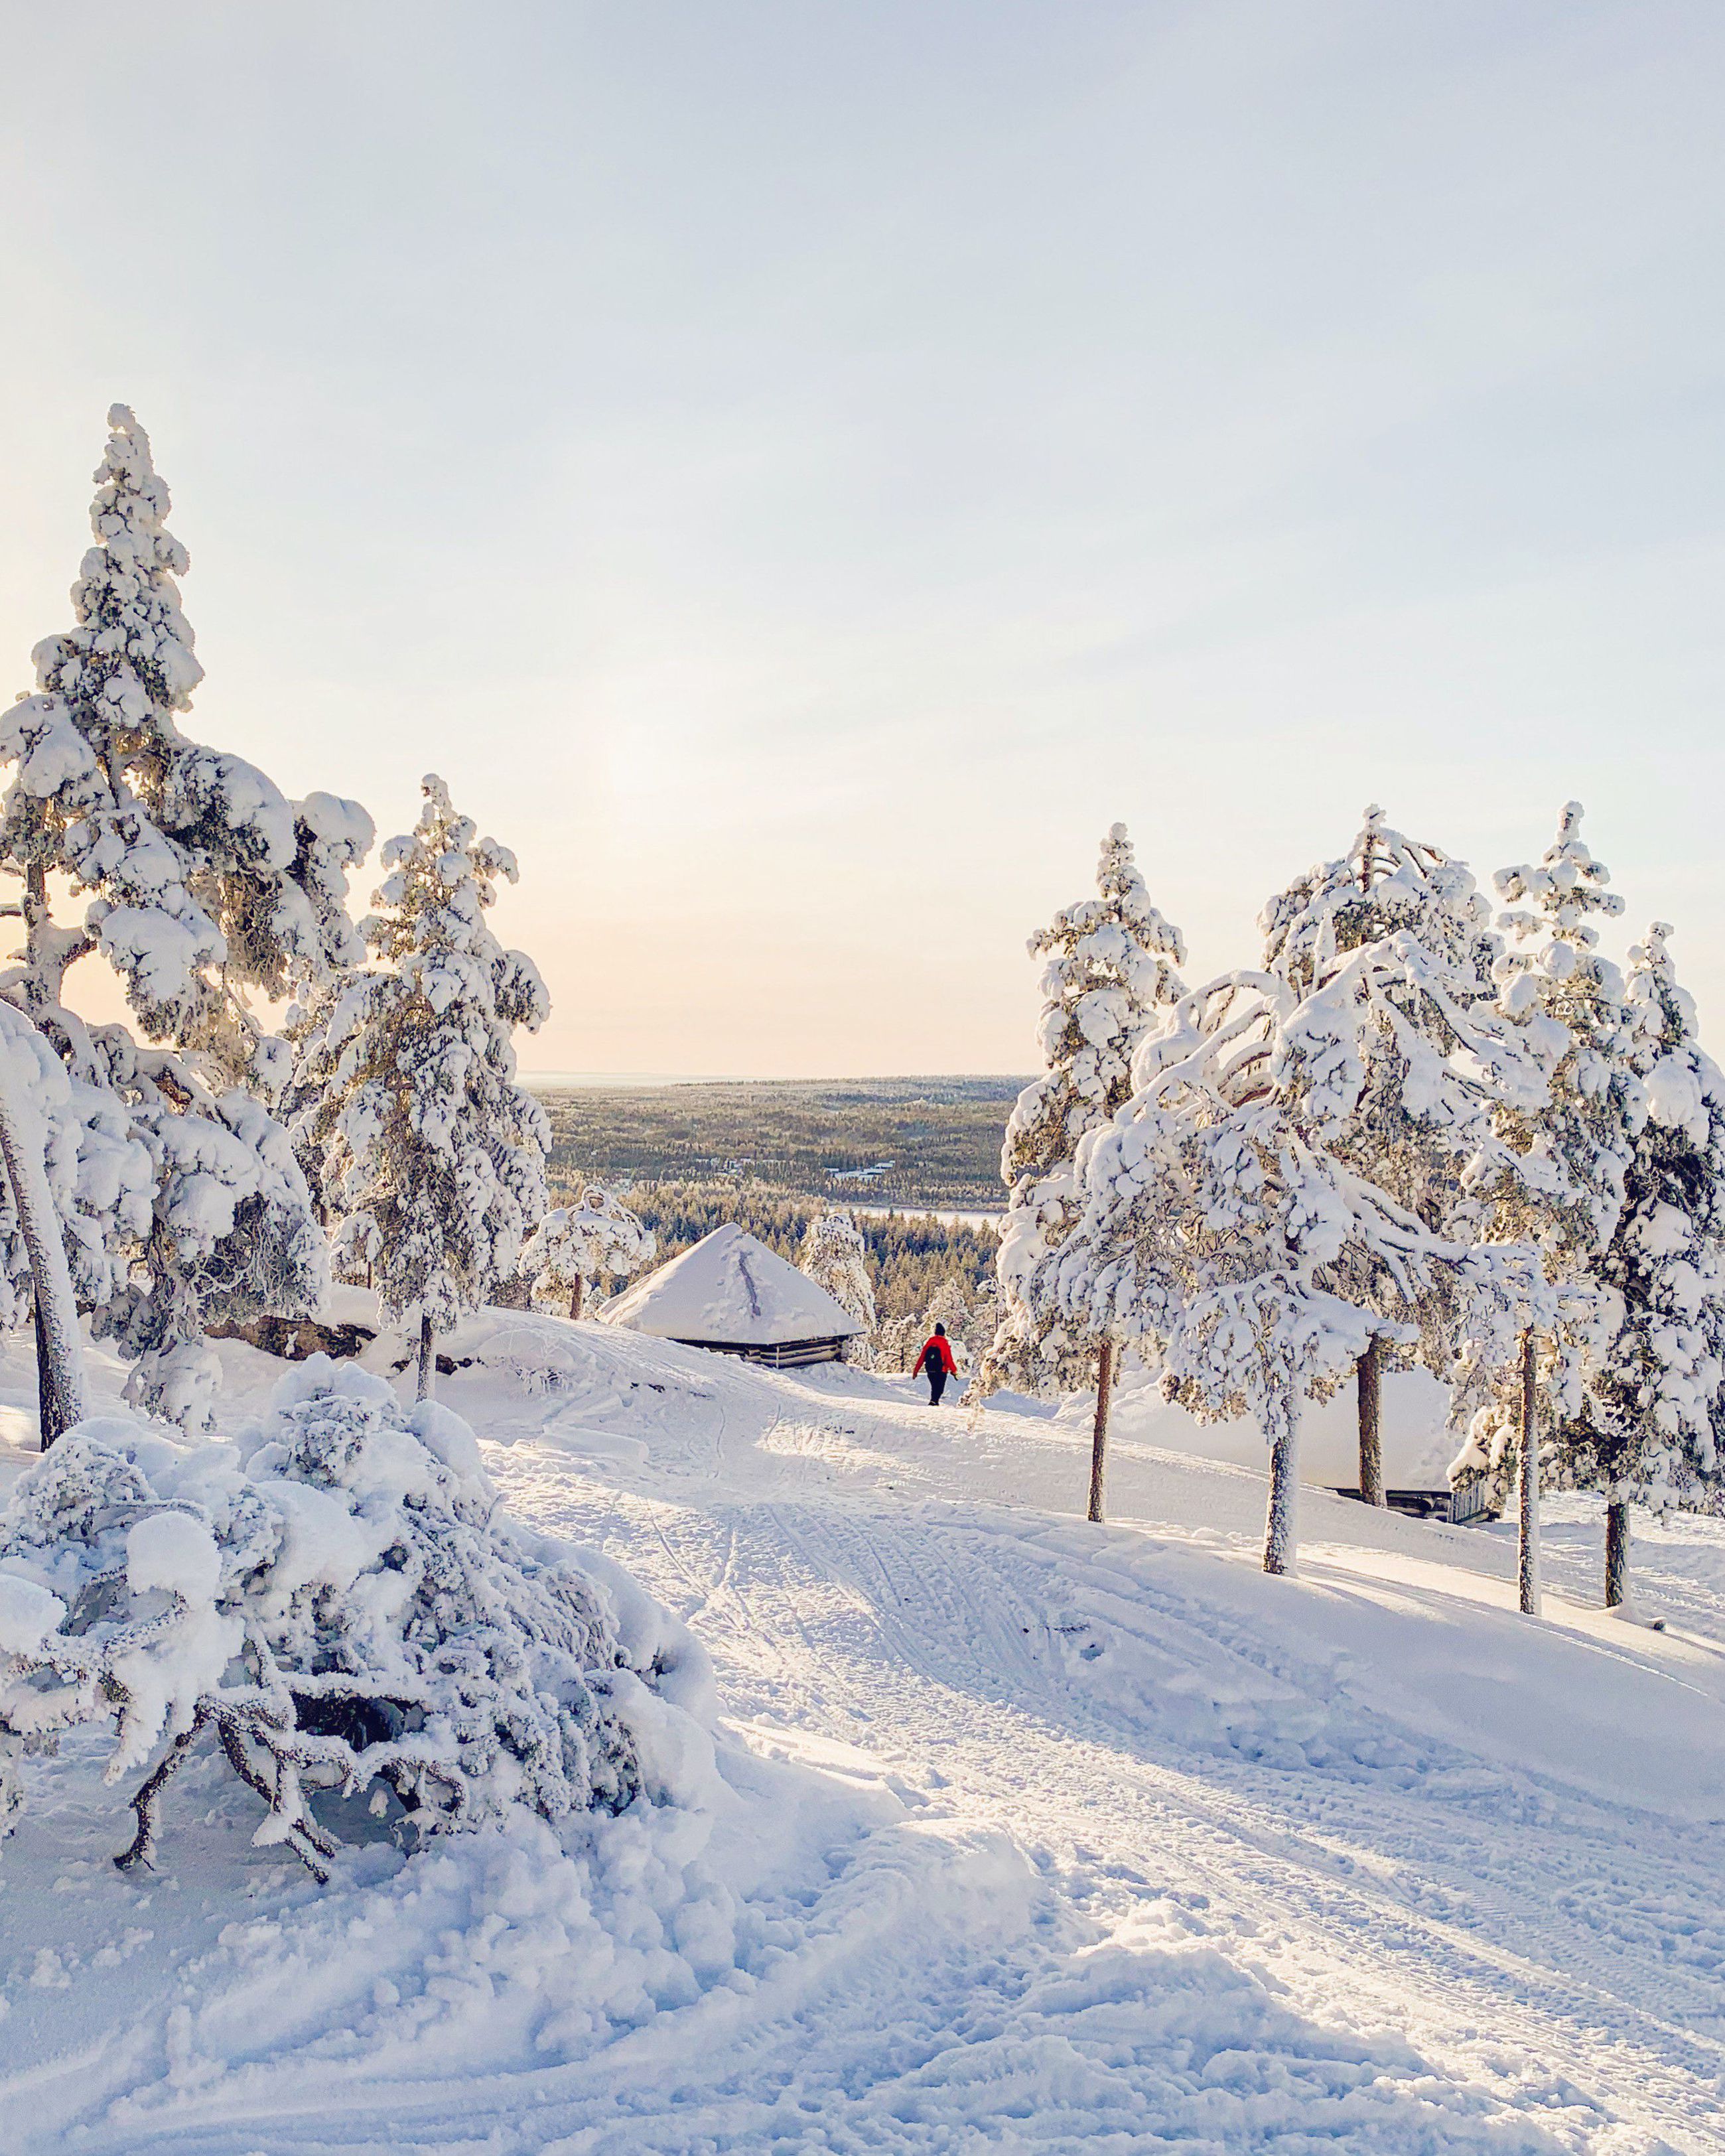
(801, 472)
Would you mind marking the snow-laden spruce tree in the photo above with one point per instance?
(596, 1238)
(1567, 1002)
(1391, 950)
(417, 1122)
(835, 1257)
(203, 881)
(949, 1306)
(200, 883)
(1108, 970)
(1650, 1428)
(1223, 1235)
(336, 1601)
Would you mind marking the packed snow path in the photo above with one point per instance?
(1128, 1713)
(1116, 1843)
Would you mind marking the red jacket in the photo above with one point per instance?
(941, 1349)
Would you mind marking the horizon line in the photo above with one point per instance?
(636, 1080)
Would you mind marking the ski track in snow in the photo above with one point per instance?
(1085, 1838)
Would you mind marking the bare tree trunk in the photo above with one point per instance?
(60, 1350)
(576, 1296)
(1099, 1431)
(1368, 1383)
(1528, 1477)
(52, 1420)
(1282, 1527)
(1617, 1554)
(428, 1360)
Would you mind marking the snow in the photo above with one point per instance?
(29, 1613)
(1025, 1835)
(731, 1288)
(174, 1551)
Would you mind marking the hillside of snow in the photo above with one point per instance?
(1023, 1835)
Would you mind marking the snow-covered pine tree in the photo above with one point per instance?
(597, 1238)
(1567, 1004)
(950, 1305)
(202, 883)
(835, 1257)
(1651, 1425)
(1428, 1055)
(1108, 970)
(205, 880)
(1222, 1234)
(420, 1124)
(339, 1602)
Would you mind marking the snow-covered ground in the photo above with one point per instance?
(1032, 1836)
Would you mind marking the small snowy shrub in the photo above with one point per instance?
(336, 1601)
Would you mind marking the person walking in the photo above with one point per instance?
(935, 1362)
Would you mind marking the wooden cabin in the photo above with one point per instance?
(734, 1296)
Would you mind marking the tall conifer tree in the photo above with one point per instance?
(1109, 969)
(200, 884)
(420, 1125)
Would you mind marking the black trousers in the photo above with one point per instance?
(935, 1373)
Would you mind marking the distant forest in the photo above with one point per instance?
(911, 1142)
(772, 1155)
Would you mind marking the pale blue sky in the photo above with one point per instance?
(802, 471)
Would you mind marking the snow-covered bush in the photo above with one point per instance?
(335, 1599)
(409, 1110)
(202, 883)
(597, 1239)
(897, 1341)
(1109, 970)
(835, 1257)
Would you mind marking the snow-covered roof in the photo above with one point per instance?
(732, 1290)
